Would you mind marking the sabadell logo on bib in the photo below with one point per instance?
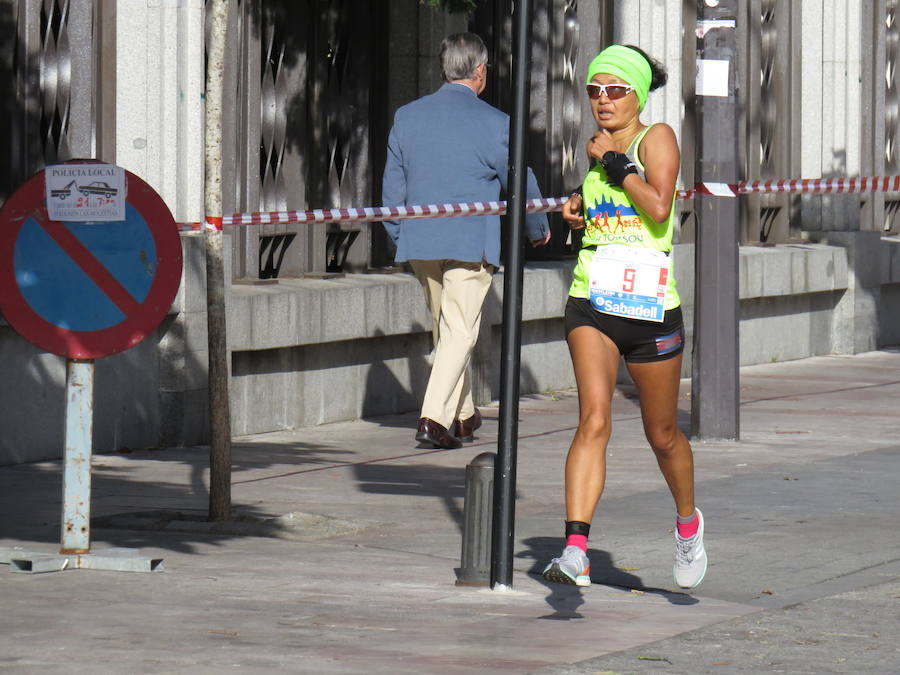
(639, 311)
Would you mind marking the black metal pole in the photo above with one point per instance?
(505, 468)
(715, 374)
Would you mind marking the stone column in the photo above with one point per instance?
(159, 120)
(657, 28)
(159, 99)
(831, 108)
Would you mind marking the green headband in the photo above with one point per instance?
(627, 64)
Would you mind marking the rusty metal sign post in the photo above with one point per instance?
(76, 506)
(75, 546)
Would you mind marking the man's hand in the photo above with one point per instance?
(540, 242)
(573, 212)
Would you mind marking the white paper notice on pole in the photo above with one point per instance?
(706, 25)
(712, 77)
(85, 192)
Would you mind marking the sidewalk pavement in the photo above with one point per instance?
(802, 534)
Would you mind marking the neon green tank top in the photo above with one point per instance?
(611, 218)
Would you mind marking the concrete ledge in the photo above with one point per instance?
(309, 351)
(314, 311)
(791, 269)
(297, 312)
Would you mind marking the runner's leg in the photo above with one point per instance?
(596, 362)
(657, 384)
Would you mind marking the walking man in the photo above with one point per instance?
(449, 147)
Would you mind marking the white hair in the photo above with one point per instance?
(461, 54)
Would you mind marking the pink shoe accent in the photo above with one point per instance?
(578, 540)
(686, 530)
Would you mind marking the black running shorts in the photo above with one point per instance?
(638, 341)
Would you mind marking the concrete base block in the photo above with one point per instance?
(787, 328)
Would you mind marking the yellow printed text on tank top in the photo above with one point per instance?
(609, 220)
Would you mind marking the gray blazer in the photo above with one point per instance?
(449, 147)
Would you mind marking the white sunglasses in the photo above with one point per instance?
(612, 91)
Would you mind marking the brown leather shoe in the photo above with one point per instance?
(429, 431)
(464, 430)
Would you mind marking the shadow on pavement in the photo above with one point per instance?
(422, 480)
(180, 487)
(603, 572)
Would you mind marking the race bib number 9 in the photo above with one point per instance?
(629, 281)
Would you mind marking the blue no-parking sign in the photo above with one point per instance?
(91, 288)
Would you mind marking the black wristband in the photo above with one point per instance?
(617, 166)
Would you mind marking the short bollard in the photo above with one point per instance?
(476, 537)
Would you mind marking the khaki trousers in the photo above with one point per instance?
(454, 292)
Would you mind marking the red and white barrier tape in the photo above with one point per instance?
(370, 213)
(817, 186)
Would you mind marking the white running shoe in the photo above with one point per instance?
(690, 558)
(573, 567)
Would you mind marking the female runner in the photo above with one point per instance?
(623, 302)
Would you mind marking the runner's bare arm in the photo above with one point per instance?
(661, 158)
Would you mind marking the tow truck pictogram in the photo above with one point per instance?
(62, 193)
